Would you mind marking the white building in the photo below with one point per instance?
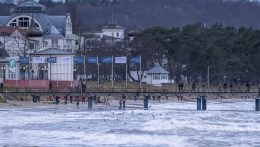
(155, 76)
(29, 30)
(42, 30)
(113, 30)
(110, 32)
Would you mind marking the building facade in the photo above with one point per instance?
(31, 38)
(42, 30)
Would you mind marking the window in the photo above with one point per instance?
(54, 43)
(31, 45)
(164, 77)
(11, 75)
(76, 42)
(13, 23)
(23, 22)
(156, 77)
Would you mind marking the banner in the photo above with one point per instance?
(107, 60)
(92, 60)
(78, 60)
(24, 60)
(52, 60)
(12, 64)
(64, 60)
(135, 60)
(38, 60)
(120, 60)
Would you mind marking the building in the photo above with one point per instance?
(43, 31)
(114, 31)
(156, 76)
(3, 56)
(31, 38)
(110, 33)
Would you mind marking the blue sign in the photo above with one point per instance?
(52, 60)
(107, 60)
(92, 59)
(24, 60)
(78, 60)
(135, 60)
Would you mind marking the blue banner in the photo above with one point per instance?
(78, 60)
(52, 60)
(107, 60)
(135, 60)
(92, 59)
(24, 60)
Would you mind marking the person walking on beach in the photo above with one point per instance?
(1, 87)
(247, 87)
(77, 99)
(225, 87)
(83, 99)
(57, 98)
(124, 100)
(193, 87)
(71, 98)
(120, 104)
(50, 86)
(66, 99)
(181, 86)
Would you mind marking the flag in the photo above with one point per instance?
(135, 60)
(38, 60)
(52, 60)
(64, 60)
(107, 60)
(24, 60)
(78, 60)
(120, 60)
(12, 64)
(92, 60)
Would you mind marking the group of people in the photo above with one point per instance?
(70, 98)
(225, 87)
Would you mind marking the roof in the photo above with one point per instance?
(52, 51)
(29, 6)
(3, 53)
(48, 23)
(112, 26)
(157, 69)
(4, 20)
(8, 30)
(30, 3)
(59, 22)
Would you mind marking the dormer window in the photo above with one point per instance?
(23, 22)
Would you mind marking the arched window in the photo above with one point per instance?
(23, 22)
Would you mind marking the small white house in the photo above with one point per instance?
(155, 76)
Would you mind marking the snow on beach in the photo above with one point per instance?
(225, 123)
